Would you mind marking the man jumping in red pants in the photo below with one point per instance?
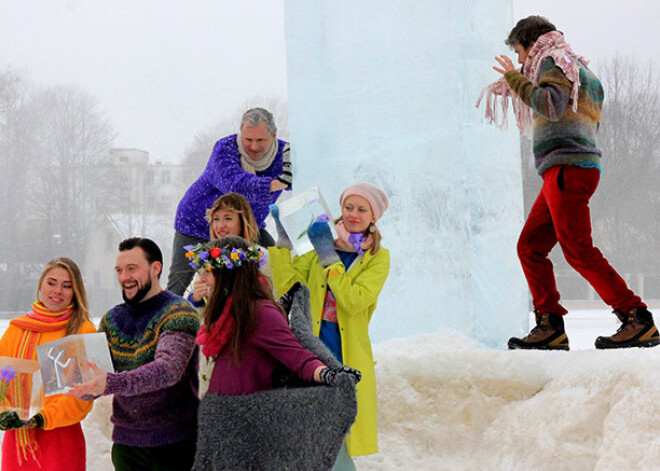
(562, 99)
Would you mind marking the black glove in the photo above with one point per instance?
(287, 299)
(9, 420)
(37, 421)
(287, 175)
(329, 375)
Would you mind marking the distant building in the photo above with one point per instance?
(142, 200)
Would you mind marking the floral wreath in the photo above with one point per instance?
(201, 257)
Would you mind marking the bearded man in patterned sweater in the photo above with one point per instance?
(152, 344)
(560, 99)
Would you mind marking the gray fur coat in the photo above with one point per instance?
(288, 428)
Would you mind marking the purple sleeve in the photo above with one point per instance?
(274, 335)
(173, 353)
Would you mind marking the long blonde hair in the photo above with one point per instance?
(80, 312)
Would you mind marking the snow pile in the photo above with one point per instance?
(98, 435)
(446, 403)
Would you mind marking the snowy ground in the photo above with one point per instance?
(448, 403)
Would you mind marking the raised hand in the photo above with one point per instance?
(282, 237)
(321, 238)
(505, 62)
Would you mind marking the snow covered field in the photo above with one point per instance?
(448, 403)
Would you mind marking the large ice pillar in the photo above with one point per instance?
(385, 91)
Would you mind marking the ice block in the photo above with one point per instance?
(298, 212)
(64, 361)
(20, 386)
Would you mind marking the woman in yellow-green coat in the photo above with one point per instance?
(345, 277)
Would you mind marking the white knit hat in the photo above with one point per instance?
(374, 195)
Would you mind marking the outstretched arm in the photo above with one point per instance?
(549, 98)
(172, 356)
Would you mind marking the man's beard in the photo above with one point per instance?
(141, 293)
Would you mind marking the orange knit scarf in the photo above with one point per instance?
(33, 324)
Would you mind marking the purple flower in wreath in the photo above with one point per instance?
(228, 263)
(242, 255)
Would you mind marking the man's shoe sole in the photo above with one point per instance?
(630, 344)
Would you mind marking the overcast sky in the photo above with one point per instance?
(164, 70)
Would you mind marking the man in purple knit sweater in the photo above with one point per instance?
(253, 163)
(152, 343)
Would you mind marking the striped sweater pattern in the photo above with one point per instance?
(561, 136)
(133, 331)
(152, 345)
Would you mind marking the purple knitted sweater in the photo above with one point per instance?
(153, 351)
(224, 174)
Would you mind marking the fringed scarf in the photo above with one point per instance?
(33, 324)
(347, 242)
(252, 166)
(213, 339)
(551, 44)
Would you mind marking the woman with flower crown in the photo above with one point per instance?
(345, 277)
(52, 439)
(246, 332)
(230, 214)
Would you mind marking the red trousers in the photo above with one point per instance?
(561, 214)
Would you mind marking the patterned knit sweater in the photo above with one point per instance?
(155, 388)
(561, 136)
(224, 174)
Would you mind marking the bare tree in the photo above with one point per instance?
(15, 133)
(625, 207)
(72, 139)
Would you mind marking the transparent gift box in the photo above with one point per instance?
(63, 362)
(20, 387)
(298, 212)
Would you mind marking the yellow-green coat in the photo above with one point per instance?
(356, 292)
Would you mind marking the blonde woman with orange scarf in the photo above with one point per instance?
(52, 439)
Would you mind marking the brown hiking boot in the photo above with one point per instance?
(547, 335)
(637, 330)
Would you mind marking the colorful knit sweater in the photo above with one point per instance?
(561, 135)
(224, 174)
(155, 388)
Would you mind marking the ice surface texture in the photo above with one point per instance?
(385, 92)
